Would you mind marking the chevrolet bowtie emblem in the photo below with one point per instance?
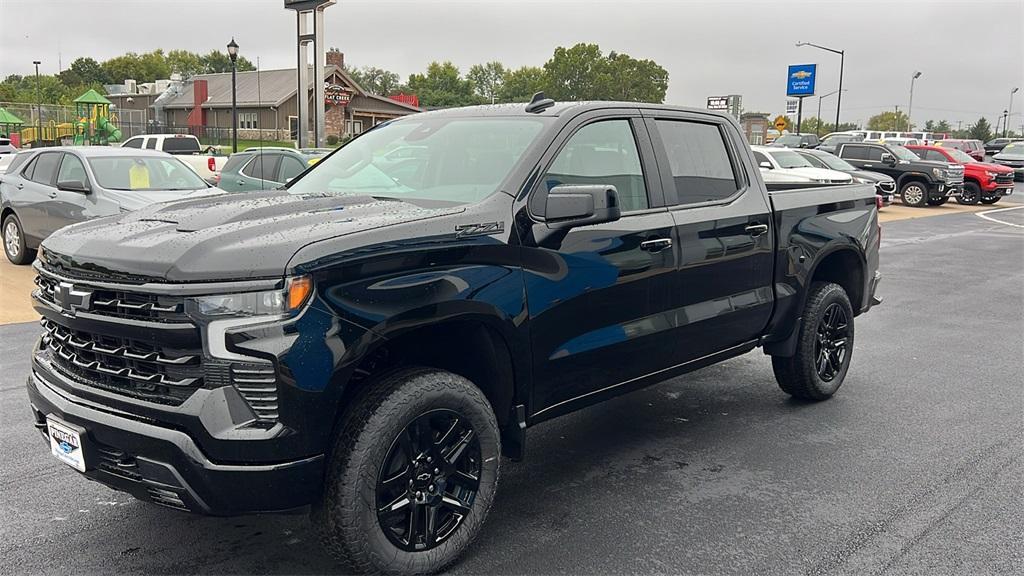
(71, 299)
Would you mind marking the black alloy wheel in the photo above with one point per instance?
(428, 480)
(830, 348)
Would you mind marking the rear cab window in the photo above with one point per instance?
(181, 145)
(699, 160)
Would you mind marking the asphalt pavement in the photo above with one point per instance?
(915, 467)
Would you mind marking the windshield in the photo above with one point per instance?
(787, 159)
(1014, 148)
(835, 162)
(459, 160)
(139, 173)
(841, 138)
(788, 140)
(959, 155)
(902, 153)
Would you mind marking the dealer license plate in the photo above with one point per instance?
(66, 444)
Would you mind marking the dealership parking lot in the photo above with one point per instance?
(914, 467)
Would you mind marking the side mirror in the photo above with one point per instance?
(804, 144)
(888, 158)
(74, 186)
(766, 165)
(569, 206)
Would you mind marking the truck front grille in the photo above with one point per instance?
(121, 304)
(123, 365)
(1004, 178)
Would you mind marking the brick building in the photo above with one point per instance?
(267, 104)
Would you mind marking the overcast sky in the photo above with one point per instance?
(970, 51)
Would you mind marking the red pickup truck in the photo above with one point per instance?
(983, 181)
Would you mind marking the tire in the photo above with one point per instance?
(914, 193)
(938, 201)
(990, 200)
(360, 535)
(800, 375)
(14, 242)
(970, 195)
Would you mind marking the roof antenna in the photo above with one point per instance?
(539, 103)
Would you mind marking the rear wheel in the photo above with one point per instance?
(971, 194)
(14, 242)
(914, 194)
(412, 474)
(824, 346)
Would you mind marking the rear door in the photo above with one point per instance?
(600, 297)
(865, 157)
(258, 173)
(39, 190)
(724, 231)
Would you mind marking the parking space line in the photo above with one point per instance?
(986, 216)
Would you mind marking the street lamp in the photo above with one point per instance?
(842, 57)
(1008, 110)
(910, 105)
(233, 54)
(39, 109)
(817, 132)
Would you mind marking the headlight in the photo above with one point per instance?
(863, 181)
(991, 174)
(268, 303)
(939, 172)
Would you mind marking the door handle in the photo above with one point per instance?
(240, 182)
(21, 186)
(756, 229)
(656, 244)
(52, 194)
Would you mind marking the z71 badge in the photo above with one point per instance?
(480, 229)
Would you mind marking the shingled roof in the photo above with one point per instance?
(266, 88)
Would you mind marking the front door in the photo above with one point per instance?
(597, 298)
(725, 235)
(68, 207)
(39, 189)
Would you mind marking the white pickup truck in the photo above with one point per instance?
(207, 162)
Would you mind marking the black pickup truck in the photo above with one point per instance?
(371, 339)
(920, 182)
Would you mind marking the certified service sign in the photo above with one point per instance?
(801, 80)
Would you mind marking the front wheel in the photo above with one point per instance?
(412, 474)
(914, 194)
(938, 201)
(990, 199)
(970, 194)
(824, 346)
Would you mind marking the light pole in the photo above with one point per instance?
(910, 105)
(1008, 111)
(817, 132)
(1006, 121)
(233, 54)
(39, 109)
(842, 58)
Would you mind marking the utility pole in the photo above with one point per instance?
(1009, 111)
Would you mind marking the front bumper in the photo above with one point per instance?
(165, 466)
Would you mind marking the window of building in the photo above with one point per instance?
(248, 121)
(701, 166)
(353, 126)
(602, 153)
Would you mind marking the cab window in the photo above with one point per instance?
(46, 167)
(133, 143)
(602, 153)
(72, 170)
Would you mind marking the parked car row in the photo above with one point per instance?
(1012, 156)
(804, 166)
(983, 182)
(207, 162)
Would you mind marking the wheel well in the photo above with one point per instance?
(844, 268)
(468, 348)
(912, 178)
(6, 211)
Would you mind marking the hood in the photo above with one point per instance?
(222, 237)
(869, 176)
(989, 166)
(142, 198)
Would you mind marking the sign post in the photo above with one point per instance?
(800, 83)
(303, 8)
(731, 104)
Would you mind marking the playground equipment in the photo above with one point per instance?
(95, 123)
(10, 125)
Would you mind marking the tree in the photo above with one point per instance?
(583, 73)
(215, 62)
(84, 71)
(487, 79)
(442, 86)
(376, 80)
(521, 84)
(980, 130)
(184, 63)
(888, 121)
(942, 126)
